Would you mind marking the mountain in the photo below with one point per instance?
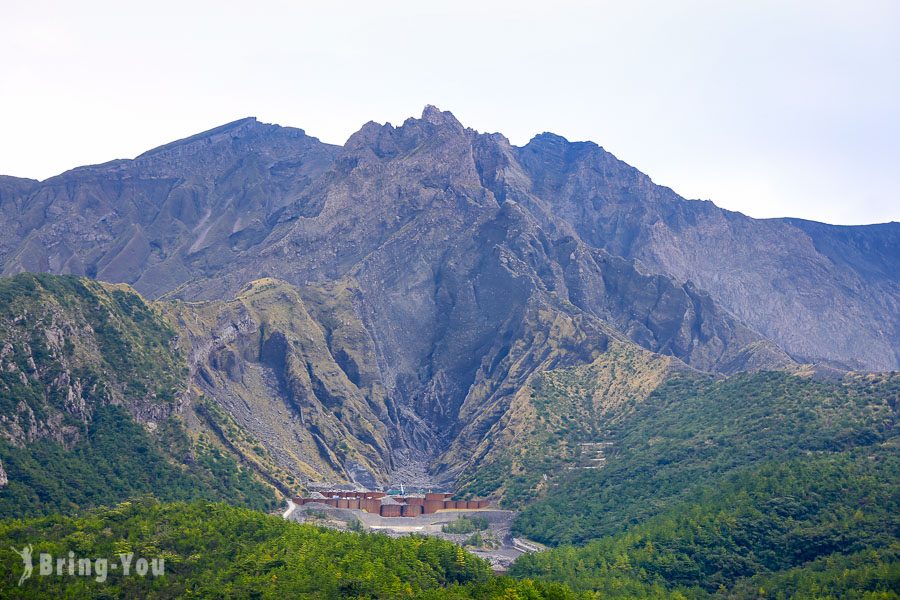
(202, 216)
(93, 394)
(680, 399)
(723, 488)
(803, 284)
(370, 311)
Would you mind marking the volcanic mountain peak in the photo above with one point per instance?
(436, 131)
(206, 214)
(444, 118)
(209, 136)
(411, 285)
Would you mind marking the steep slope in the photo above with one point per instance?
(70, 345)
(694, 430)
(350, 312)
(91, 392)
(445, 276)
(174, 213)
(300, 388)
(820, 291)
(559, 420)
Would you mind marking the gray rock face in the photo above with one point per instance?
(821, 292)
(451, 237)
(69, 346)
(181, 211)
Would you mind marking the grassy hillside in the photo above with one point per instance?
(694, 430)
(218, 551)
(765, 485)
(91, 387)
(552, 421)
(68, 344)
(116, 460)
(782, 527)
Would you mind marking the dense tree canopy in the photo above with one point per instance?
(218, 551)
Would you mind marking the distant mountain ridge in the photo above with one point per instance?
(235, 199)
(398, 293)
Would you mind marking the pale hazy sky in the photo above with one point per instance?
(773, 108)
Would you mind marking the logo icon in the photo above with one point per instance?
(25, 553)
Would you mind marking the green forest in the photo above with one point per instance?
(768, 524)
(695, 430)
(764, 485)
(217, 551)
(118, 460)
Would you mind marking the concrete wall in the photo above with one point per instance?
(408, 506)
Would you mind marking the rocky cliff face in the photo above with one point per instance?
(96, 406)
(407, 286)
(178, 212)
(294, 373)
(821, 292)
(68, 346)
(201, 217)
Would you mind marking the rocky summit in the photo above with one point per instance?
(382, 308)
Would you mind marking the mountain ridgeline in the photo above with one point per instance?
(358, 309)
(683, 401)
